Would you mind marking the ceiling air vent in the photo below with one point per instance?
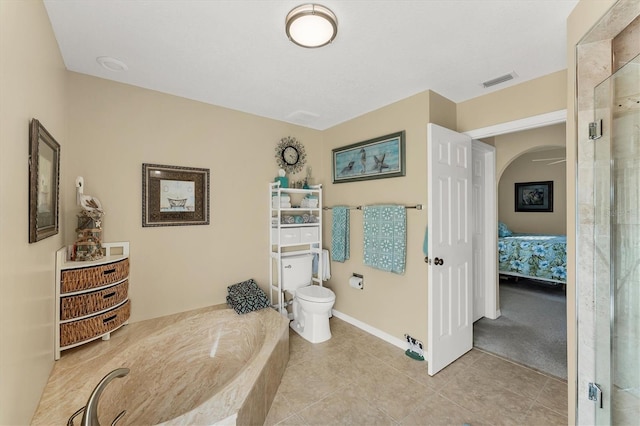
(302, 117)
(501, 79)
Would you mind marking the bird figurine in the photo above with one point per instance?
(90, 204)
(348, 169)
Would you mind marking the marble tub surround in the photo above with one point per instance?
(205, 366)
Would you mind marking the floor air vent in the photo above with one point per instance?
(499, 80)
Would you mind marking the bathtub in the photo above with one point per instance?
(203, 367)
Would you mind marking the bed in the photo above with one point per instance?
(534, 256)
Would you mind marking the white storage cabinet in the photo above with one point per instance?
(290, 239)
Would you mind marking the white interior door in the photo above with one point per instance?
(478, 214)
(485, 232)
(450, 328)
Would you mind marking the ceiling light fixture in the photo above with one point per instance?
(311, 25)
(112, 64)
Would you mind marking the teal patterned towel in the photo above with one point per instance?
(385, 238)
(340, 234)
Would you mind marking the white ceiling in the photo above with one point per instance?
(234, 53)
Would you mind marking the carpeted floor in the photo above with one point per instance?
(532, 329)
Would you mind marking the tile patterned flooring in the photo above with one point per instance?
(358, 379)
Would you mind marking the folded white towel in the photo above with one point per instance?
(309, 203)
(282, 205)
(326, 265)
(283, 197)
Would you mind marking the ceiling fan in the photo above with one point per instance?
(555, 160)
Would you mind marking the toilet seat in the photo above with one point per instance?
(315, 293)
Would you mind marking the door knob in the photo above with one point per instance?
(438, 261)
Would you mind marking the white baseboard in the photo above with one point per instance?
(496, 315)
(402, 344)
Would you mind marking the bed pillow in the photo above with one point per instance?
(503, 230)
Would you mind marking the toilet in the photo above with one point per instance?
(311, 303)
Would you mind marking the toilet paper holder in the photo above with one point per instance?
(356, 281)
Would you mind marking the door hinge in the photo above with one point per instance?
(595, 130)
(427, 260)
(595, 393)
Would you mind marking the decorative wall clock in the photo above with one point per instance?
(290, 155)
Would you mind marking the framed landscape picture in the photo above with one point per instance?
(174, 196)
(44, 176)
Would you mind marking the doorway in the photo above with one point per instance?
(506, 154)
(441, 326)
(532, 328)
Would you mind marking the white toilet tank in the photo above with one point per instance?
(296, 271)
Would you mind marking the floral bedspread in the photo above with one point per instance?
(534, 256)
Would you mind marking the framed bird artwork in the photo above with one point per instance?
(378, 158)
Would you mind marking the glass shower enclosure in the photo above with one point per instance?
(616, 130)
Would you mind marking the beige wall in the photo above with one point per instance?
(32, 85)
(512, 145)
(392, 303)
(524, 169)
(114, 128)
(528, 99)
(442, 111)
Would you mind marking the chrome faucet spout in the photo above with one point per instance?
(90, 416)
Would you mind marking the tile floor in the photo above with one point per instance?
(358, 379)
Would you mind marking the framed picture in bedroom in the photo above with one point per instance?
(44, 176)
(174, 196)
(534, 196)
(381, 157)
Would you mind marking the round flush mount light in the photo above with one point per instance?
(311, 25)
(112, 64)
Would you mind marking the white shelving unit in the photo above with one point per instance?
(290, 239)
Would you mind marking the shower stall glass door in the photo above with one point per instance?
(617, 238)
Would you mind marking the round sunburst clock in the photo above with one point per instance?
(290, 155)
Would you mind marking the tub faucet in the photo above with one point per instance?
(90, 416)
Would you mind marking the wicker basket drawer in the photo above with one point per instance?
(88, 303)
(79, 331)
(95, 276)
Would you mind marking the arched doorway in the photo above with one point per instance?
(531, 329)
